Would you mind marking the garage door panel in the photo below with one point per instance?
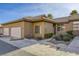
(16, 32)
(6, 31)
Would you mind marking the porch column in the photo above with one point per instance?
(56, 29)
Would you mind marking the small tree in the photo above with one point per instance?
(50, 16)
(74, 12)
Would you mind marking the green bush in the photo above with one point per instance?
(64, 37)
(39, 38)
(67, 37)
(70, 32)
(58, 37)
(48, 35)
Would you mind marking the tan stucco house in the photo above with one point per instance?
(28, 27)
(38, 26)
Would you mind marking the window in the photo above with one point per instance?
(37, 29)
(58, 28)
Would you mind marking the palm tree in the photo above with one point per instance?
(50, 16)
(74, 12)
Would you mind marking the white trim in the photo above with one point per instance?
(76, 25)
(76, 22)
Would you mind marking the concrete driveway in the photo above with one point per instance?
(19, 43)
(24, 42)
(6, 48)
(13, 47)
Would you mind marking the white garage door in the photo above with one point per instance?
(16, 32)
(6, 31)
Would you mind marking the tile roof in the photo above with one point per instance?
(32, 19)
(74, 17)
(62, 19)
(67, 19)
(44, 18)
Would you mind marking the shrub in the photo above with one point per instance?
(70, 32)
(58, 37)
(67, 37)
(48, 35)
(64, 37)
(38, 38)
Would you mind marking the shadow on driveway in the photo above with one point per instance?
(5, 47)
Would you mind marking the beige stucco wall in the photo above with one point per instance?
(45, 28)
(28, 29)
(41, 34)
(67, 27)
(48, 27)
(70, 27)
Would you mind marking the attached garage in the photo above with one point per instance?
(18, 29)
(16, 32)
(76, 27)
(1, 30)
(6, 31)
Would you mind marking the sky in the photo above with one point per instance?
(13, 11)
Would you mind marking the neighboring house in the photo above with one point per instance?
(1, 30)
(69, 23)
(38, 26)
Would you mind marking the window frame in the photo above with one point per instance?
(37, 29)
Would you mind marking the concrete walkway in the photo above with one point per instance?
(73, 46)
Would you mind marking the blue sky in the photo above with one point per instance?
(14, 11)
